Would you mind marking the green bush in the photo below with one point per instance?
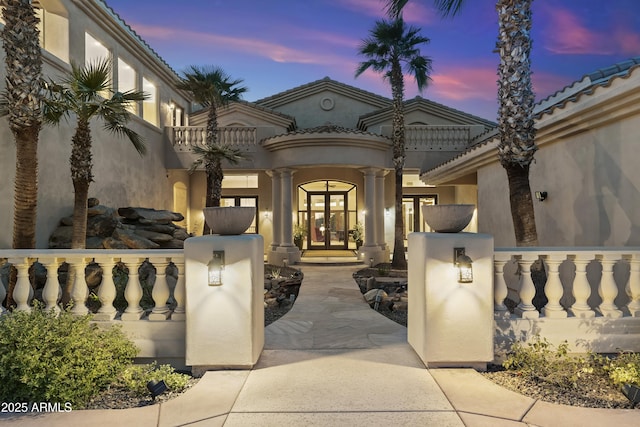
(623, 369)
(136, 377)
(58, 359)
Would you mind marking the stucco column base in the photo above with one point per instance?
(450, 324)
(366, 253)
(224, 324)
(290, 253)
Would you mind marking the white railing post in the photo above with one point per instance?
(22, 291)
(179, 292)
(133, 291)
(52, 291)
(525, 308)
(581, 288)
(634, 285)
(80, 290)
(500, 290)
(160, 292)
(107, 291)
(553, 288)
(608, 290)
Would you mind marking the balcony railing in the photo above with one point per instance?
(183, 138)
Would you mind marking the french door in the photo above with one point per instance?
(327, 220)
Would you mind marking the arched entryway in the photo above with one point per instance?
(327, 211)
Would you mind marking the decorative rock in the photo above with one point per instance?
(100, 210)
(61, 238)
(94, 242)
(153, 236)
(172, 244)
(92, 201)
(158, 228)
(180, 234)
(101, 225)
(160, 216)
(111, 243)
(134, 241)
(67, 220)
(370, 296)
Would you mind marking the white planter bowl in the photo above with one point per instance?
(229, 220)
(447, 218)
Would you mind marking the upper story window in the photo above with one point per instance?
(53, 27)
(150, 105)
(127, 78)
(94, 51)
(177, 114)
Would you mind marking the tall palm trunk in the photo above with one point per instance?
(515, 118)
(397, 88)
(23, 66)
(81, 176)
(209, 166)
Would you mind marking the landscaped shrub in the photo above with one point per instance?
(58, 359)
(623, 369)
(136, 377)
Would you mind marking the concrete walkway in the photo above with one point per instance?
(332, 361)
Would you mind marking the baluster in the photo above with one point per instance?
(23, 289)
(80, 290)
(52, 291)
(526, 309)
(500, 290)
(581, 289)
(553, 288)
(179, 292)
(160, 292)
(133, 291)
(633, 286)
(608, 290)
(107, 292)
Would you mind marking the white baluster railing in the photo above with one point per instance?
(183, 138)
(107, 292)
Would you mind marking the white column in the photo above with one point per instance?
(23, 289)
(553, 288)
(380, 212)
(633, 286)
(500, 290)
(581, 289)
(52, 291)
(179, 293)
(370, 238)
(608, 289)
(133, 291)
(286, 188)
(526, 309)
(276, 203)
(80, 289)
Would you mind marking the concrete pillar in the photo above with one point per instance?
(276, 203)
(286, 188)
(370, 251)
(450, 324)
(380, 217)
(224, 324)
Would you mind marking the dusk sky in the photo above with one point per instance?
(275, 45)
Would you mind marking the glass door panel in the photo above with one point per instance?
(317, 226)
(337, 224)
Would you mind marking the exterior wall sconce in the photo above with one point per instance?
(464, 265)
(172, 106)
(370, 262)
(267, 214)
(541, 196)
(387, 212)
(216, 267)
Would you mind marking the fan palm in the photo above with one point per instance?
(21, 102)
(212, 88)
(391, 48)
(516, 98)
(80, 94)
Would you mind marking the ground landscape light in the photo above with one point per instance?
(464, 265)
(216, 267)
(156, 388)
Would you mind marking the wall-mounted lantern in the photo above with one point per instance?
(464, 265)
(541, 196)
(216, 267)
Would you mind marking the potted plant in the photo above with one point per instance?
(356, 234)
(299, 233)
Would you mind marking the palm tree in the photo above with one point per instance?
(80, 94)
(21, 102)
(392, 48)
(212, 88)
(516, 100)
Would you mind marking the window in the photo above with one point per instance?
(127, 82)
(94, 51)
(150, 105)
(240, 181)
(250, 201)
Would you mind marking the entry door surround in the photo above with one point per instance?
(328, 220)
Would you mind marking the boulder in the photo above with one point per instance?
(100, 210)
(61, 238)
(92, 201)
(153, 236)
(67, 220)
(133, 241)
(101, 225)
(371, 296)
(180, 234)
(94, 242)
(172, 244)
(112, 243)
(159, 228)
(160, 216)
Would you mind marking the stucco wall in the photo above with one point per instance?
(593, 190)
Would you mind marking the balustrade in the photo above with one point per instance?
(594, 283)
(107, 292)
(184, 138)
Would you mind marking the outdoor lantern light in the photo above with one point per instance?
(541, 196)
(371, 262)
(216, 266)
(156, 388)
(463, 263)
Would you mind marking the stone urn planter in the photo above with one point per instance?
(447, 218)
(229, 220)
